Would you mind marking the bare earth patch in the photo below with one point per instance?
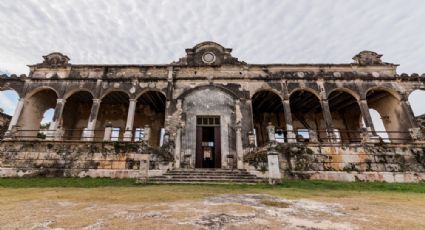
(146, 208)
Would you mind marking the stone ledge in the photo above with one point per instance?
(390, 177)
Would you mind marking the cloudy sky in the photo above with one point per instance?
(259, 31)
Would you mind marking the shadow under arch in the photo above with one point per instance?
(113, 111)
(76, 113)
(267, 107)
(307, 115)
(150, 110)
(347, 119)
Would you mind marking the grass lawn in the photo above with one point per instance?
(293, 184)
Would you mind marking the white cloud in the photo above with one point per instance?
(259, 31)
(153, 31)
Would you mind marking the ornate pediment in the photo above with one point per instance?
(368, 58)
(208, 54)
(55, 59)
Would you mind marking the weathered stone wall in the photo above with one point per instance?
(370, 162)
(74, 159)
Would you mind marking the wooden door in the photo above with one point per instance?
(217, 147)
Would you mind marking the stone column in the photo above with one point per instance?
(328, 120)
(405, 105)
(288, 120)
(273, 166)
(146, 134)
(15, 117)
(364, 109)
(128, 134)
(177, 149)
(53, 128)
(271, 132)
(88, 133)
(108, 132)
(239, 148)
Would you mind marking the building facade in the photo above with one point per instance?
(216, 109)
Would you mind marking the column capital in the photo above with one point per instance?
(97, 100)
(60, 100)
(132, 99)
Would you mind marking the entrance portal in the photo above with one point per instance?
(208, 144)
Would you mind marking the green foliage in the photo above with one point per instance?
(258, 159)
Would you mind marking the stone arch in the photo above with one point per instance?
(150, 110)
(35, 105)
(149, 90)
(307, 89)
(391, 91)
(109, 91)
(392, 111)
(202, 87)
(307, 114)
(353, 93)
(71, 92)
(113, 110)
(41, 88)
(271, 90)
(76, 113)
(347, 119)
(267, 107)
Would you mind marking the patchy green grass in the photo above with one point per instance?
(277, 204)
(43, 182)
(354, 186)
(310, 185)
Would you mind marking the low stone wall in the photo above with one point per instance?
(391, 177)
(371, 162)
(73, 159)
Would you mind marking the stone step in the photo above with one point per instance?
(207, 176)
(181, 180)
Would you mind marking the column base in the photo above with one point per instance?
(127, 135)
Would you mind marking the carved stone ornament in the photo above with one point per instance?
(368, 58)
(56, 59)
(208, 54)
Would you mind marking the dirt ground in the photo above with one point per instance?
(207, 207)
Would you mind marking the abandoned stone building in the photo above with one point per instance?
(210, 110)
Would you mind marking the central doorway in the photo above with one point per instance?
(208, 142)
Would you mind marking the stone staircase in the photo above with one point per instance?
(207, 176)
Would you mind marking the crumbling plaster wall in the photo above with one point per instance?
(209, 102)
